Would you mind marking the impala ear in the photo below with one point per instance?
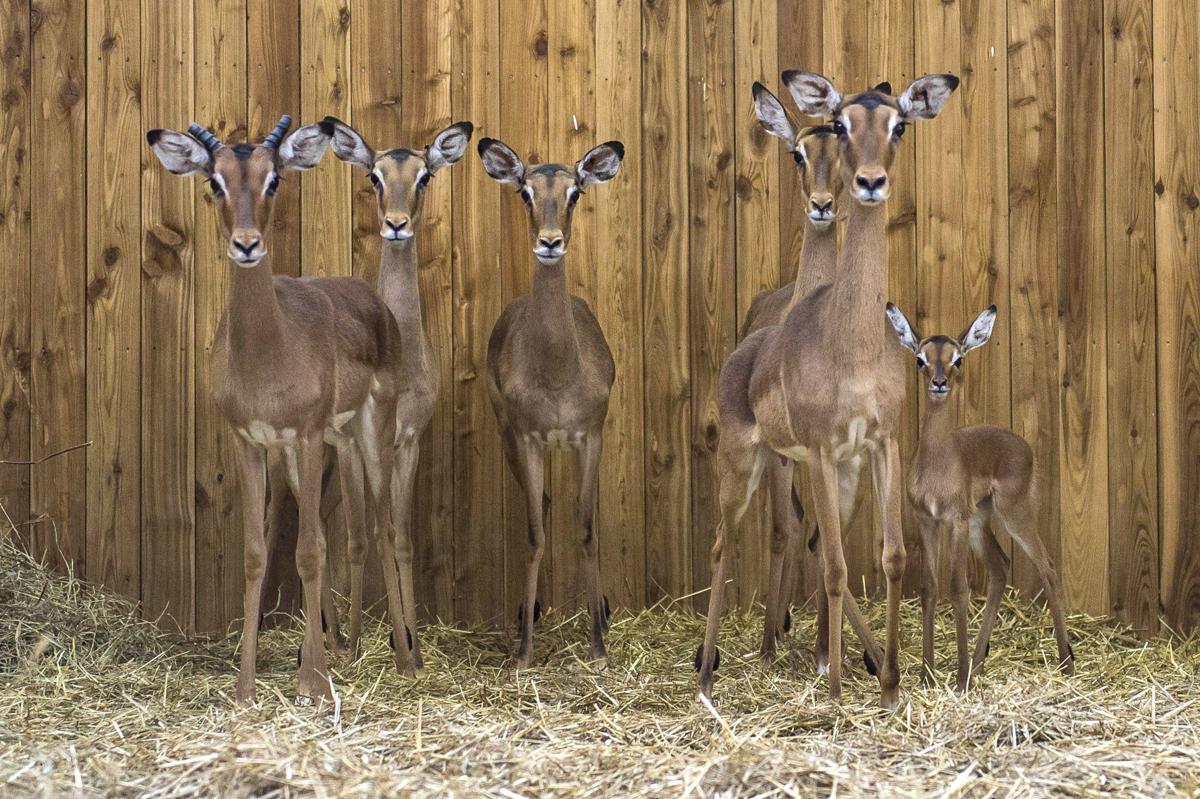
(600, 164)
(908, 337)
(179, 152)
(883, 88)
(978, 333)
(448, 146)
(813, 93)
(501, 162)
(925, 97)
(772, 116)
(304, 149)
(349, 145)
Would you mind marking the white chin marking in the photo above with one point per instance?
(549, 259)
(397, 236)
(247, 263)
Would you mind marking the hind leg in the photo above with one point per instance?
(783, 535)
(354, 506)
(987, 548)
(589, 488)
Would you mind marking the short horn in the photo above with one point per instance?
(205, 137)
(273, 138)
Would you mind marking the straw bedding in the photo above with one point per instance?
(93, 702)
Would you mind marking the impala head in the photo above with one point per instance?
(940, 357)
(243, 177)
(815, 150)
(550, 191)
(400, 175)
(869, 125)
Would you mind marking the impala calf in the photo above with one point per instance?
(294, 360)
(550, 371)
(399, 177)
(961, 477)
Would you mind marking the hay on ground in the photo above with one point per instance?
(94, 702)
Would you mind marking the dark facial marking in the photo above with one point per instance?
(243, 151)
(870, 100)
(548, 170)
(400, 154)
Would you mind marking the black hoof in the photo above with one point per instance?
(392, 639)
(537, 613)
(716, 657)
(869, 662)
(787, 620)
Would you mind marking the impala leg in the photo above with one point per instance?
(589, 489)
(740, 473)
(987, 548)
(313, 677)
(930, 557)
(252, 467)
(280, 513)
(960, 598)
(1020, 519)
(354, 501)
(407, 456)
(823, 475)
(331, 499)
(787, 583)
(885, 472)
(784, 531)
(530, 458)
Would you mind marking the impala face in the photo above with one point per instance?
(243, 178)
(400, 176)
(939, 358)
(869, 125)
(816, 151)
(551, 191)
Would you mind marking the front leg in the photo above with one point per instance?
(823, 475)
(408, 454)
(784, 532)
(530, 460)
(252, 468)
(309, 455)
(960, 598)
(930, 556)
(589, 489)
(885, 473)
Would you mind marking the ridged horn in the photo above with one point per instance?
(205, 137)
(274, 137)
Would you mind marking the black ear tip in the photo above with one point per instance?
(618, 147)
(484, 144)
(885, 87)
(152, 136)
(992, 307)
(953, 81)
(758, 88)
(467, 128)
(332, 121)
(891, 306)
(327, 127)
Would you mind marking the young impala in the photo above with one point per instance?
(961, 477)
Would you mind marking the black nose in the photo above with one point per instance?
(869, 184)
(822, 209)
(550, 244)
(397, 226)
(939, 382)
(248, 249)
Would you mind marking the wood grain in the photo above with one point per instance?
(1132, 378)
(169, 359)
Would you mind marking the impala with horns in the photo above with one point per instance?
(294, 360)
(550, 371)
(962, 478)
(825, 386)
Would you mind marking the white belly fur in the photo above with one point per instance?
(557, 439)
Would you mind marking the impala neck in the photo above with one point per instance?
(818, 259)
(256, 325)
(551, 323)
(400, 289)
(938, 422)
(860, 291)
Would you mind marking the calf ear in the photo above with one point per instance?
(349, 145)
(813, 93)
(925, 97)
(179, 152)
(449, 146)
(908, 337)
(772, 116)
(979, 332)
(501, 162)
(600, 164)
(304, 149)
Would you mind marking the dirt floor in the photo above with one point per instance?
(93, 702)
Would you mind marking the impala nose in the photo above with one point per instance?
(820, 207)
(871, 183)
(396, 226)
(549, 245)
(246, 248)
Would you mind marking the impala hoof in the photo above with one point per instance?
(869, 662)
(697, 662)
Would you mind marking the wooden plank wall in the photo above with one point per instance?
(1061, 183)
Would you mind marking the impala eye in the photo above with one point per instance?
(898, 131)
(921, 362)
(526, 195)
(424, 180)
(957, 362)
(215, 187)
(573, 198)
(374, 180)
(838, 127)
(798, 158)
(273, 185)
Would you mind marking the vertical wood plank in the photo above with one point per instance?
(1033, 240)
(524, 105)
(1132, 373)
(756, 204)
(15, 172)
(712, 262)
(666, 287)
(1177, 216)
(479, 469)
(1083, 444)
(426, 103)
(168, 357)
(618, 234)
(114, 289)
(58, 493)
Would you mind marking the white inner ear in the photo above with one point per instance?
(501, 166)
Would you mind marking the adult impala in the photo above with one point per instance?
(294, 360)
(399, 176)
(825, 386)
(549, 368)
